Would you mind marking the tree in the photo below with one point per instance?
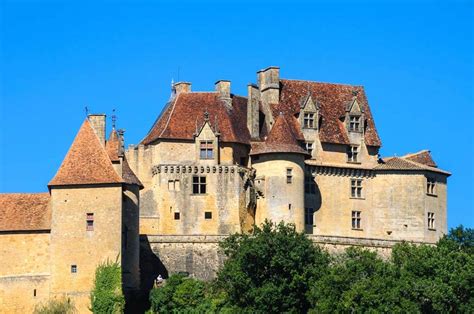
(270, 269)
(107, 296)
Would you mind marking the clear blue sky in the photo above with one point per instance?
(415, 60)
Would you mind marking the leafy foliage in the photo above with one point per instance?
(56, 306)
(276, 269)
(107, 296)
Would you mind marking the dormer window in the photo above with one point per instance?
(354, 123)
(206, 150)
(308, 120)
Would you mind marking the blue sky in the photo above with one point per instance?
(415, 59)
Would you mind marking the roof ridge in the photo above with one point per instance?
(417, 153)
(320, 82)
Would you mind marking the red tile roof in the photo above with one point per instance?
(112, 146)
(332, 99)
(179, 119)
(421, 157)
(282, 139)
(86, 162)
(128, 175)
(400, 163)
(25, 212)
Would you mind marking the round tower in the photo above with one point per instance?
(279, 165)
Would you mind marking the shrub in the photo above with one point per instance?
(56, 306)
(107, 296)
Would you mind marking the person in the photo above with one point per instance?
(158, 280)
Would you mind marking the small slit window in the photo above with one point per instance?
(289, 175)
(90, 221)
(73, 269)
(208, 215)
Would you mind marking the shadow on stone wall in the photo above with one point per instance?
(150, 267)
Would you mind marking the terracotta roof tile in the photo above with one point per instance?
(128, 175)
(421, 157)
(178, 120)
(86, 162)
(397, 163)
(25, 212)
(282, 139)
(332, 99)
(112, 146)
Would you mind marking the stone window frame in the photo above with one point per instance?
(309, 120)
(289, 175)
(353, 154)
(356, 190)
(199, 185)
(431, 220)
(356, 220)
(431, 186)
(89, 221)
(206, 149)
(309, 216)
(355, 123)
(309, 147)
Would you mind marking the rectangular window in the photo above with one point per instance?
(308, 120)
(176, 185)
(207, 215)
(356, 188)
(356, 219)
(289, 175)
(308, 216)
(309, 147)
(73, 269)
(354, 123)
(431, 221)
(90, 222)
(353, 154)
(430, 186)
(309, 184)
(206, 150)
(170, 185)
(199, 185)
(177, 216)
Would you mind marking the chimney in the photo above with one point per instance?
(223, 88)
(182, 87)
(252, 110)
(269, 84)
(97, 122)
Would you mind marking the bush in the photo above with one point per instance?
(56, 306)
(107, 296)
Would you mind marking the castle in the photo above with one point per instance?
(215, 163)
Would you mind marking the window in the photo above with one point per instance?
(73, 269)
(308, 120)
(431, 221)
(353, 154)
(289, 175)
(309, 185)
(173, 185)
(309, 147)
(356, 219)
(177, 216)
(34, 292)
(208, 215)
(199, 185)
(308, 216)
(206, 150)
(356, 188)
(90, 222)
(354, 123)
(430, 186)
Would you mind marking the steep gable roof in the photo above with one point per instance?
(180, 117)
(282, 139)
(422, 157)
(25, 212)
(86, 162)
(333, 100)
(112, 146)
(400, 163)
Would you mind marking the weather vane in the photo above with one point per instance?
(114, 118)
(87, 111)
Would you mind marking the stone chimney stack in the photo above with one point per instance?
(97, 122)
(182, 87)
(269, 84)
(253, 123)
(223, 88)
